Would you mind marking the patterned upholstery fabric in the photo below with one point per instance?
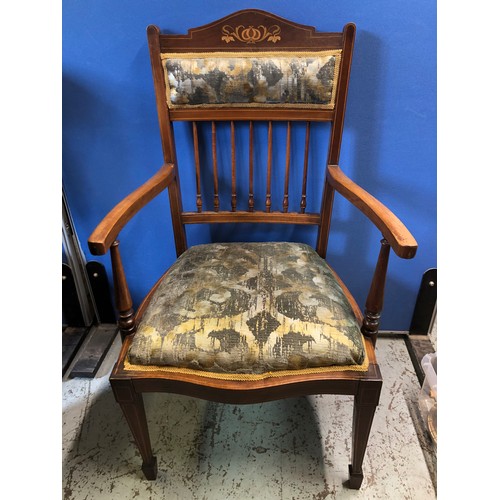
(248, 308)
(252, 79)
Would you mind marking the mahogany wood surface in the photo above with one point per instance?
(256, 216)
(325, 219)
(215, 168)
(349, 34)
(123, 301)
(251, 200)
(396, 233)
(209, 37)
(303, 201)
(269, 164)
(365, 404)
(108, 229)
(287, 166)
(250, 31)
(246, 114)
(167, 138)
(375, 299)
(233, 168)
(199, 203)
(132, 405)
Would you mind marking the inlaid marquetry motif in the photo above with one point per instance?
(251, 34)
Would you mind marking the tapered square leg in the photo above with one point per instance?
(150, 469)
(365, 404)
(355, 479)
(132, 405)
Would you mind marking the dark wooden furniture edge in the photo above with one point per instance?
(246, 114)
(210, 36)
(275, 217)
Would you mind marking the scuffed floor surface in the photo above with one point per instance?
(291, 449)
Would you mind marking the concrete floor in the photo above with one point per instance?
(291, 449)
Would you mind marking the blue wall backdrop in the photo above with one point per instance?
(111, 141)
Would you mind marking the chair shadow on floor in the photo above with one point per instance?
(202, 447)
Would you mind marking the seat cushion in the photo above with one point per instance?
(248, 308)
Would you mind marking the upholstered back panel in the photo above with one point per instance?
(254, 79)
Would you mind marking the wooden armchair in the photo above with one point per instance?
(249, 322)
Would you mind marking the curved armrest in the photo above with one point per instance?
(108, 229)
(393, 230)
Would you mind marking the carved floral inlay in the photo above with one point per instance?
(251, 34)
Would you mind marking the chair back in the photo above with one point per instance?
(241, 82)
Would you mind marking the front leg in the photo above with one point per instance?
(132, 406)
(365, 404)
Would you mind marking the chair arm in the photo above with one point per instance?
(393, 230)
(108, 229)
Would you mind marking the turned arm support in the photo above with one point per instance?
(108, 229)
(393, 230)
(104, 237)
(395, 236)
